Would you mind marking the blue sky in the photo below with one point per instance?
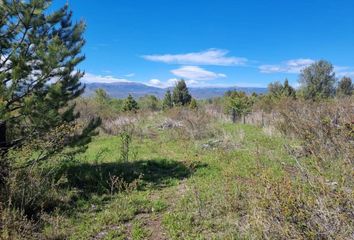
(213, 43)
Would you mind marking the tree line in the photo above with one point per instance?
(180, 96)
(317, 83)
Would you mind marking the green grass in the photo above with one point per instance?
(169, 186)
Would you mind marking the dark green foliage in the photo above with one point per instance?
(116, 104)
(94, 179)
(317, 81)
(39, 77)
(126, 138)
(130, 104)
(167, 101)
(237, 104)
(278, 90)
(275, 89)
(149, 102)
(288, 90)
(102, 104)
(345, 87)
(181, 96)
(40, 50)
(193, 105)
(254, 95)
(101, 96)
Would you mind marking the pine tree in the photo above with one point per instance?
(130, 104)
(288, 91)
(345, 87)
(39, 54)
(278, 90)
(275, 89)
(193, 105)
(167, 101)
(101, 96)
(238, 104)
(181, 96)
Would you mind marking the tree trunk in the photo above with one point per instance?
(3, 142)
(4, 168)
(234, 115)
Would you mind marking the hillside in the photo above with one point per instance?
(122, 89)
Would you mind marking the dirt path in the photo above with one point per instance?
(152, 222)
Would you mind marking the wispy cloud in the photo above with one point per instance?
(341, 68)
(290, 66)
(91, 78)
(296, 65)
(209, 57)
(345, 74)
(130, 75)
(172, 82)
(196, 73)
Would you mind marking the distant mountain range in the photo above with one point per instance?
(122, 89)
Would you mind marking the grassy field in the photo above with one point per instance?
(172, 189)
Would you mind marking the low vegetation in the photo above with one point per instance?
(273, 166)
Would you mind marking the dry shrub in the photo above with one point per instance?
(118, 124)
(287, 209)
(216, 111)
(192, 124)
(15, 225)
(89, 108)
(139, 124)
(260, 118)
(316, 200)
(35, 172)
(225, 141)
(326, 129)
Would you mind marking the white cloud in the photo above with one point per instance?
(90, 78)
(173, 81)
(296, 65)
(194, 83)
(196, 73)
(344, 71)
(208, 57)
(345, 74)
(290, 66)
(341, 69)
(156, 83)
